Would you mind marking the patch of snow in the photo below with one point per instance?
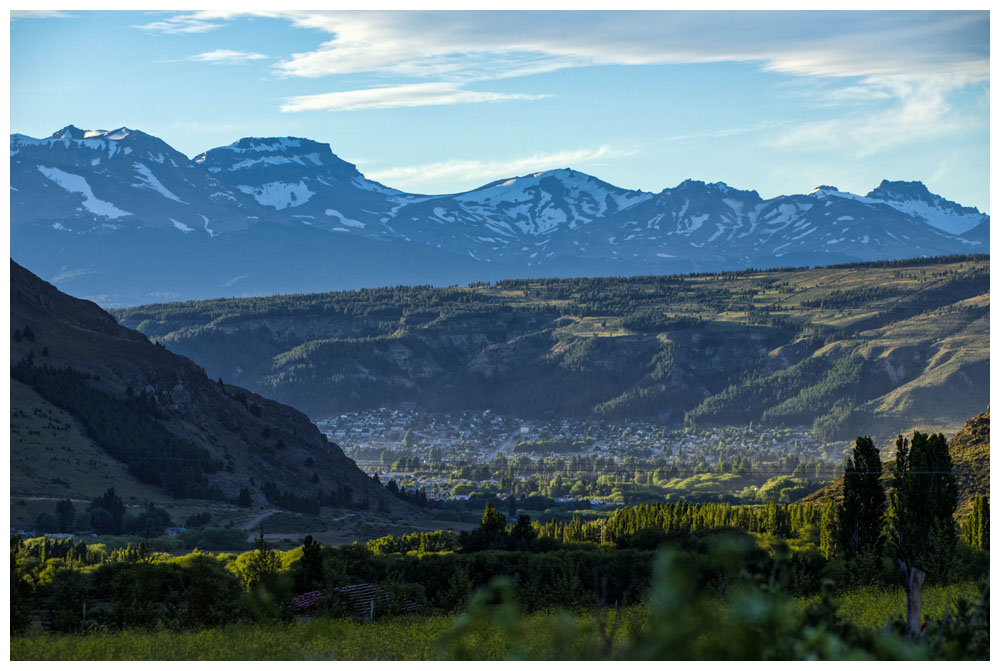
(345, 220)
(267, 160)
(695, 223)
(77, 184)
(208, 230)
(952, 222)
(264, 144)
(96, 161)
(181, 227)
(148, 181)
(59, 227)
(278, 195)
(442, 214)
(666, 256)
(734, 205)
(803, 234)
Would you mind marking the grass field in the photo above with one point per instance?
(538, 636)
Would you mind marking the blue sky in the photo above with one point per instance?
(438, 102)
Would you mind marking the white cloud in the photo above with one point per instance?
(920, 112)
(464, 173)
(16, 14)
(470, 44)
(490, 44)
(410, 95)
(890, 53)
(227, 56)
(192, 22)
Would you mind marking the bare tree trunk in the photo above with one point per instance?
(914, 579)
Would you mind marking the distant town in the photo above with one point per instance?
(451, 456)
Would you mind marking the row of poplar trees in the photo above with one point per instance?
(914, 524)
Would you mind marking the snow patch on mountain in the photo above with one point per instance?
(118, 134)
(266, 160)
(77, 184)
(208, 230)
(258, 145)
(354, 223)
(149, 181)
(180, 226)
(279, 195)
(948, 221)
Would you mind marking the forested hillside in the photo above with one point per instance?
(862, 347)
(95, 405)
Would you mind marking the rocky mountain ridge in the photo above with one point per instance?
(97, 210)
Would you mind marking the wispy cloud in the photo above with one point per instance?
(188, 22)
(38, 14)
(920, 112)
(410, 95)
(227, 57)
(496, 44)
(464, 173)
(872, 55)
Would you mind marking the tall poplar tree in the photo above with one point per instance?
(923, 501)
(862, 512)
(977, 526)
(921, 515)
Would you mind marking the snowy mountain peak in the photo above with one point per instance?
(901, 190)
(264, 145)
(914, 199)
(117, 134)
(824, 190)
(70, 132)
(553, 221)
(251, 152)
(699, 185)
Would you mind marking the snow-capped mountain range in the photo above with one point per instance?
(121, 217)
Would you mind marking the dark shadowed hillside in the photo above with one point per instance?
(94, 404)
